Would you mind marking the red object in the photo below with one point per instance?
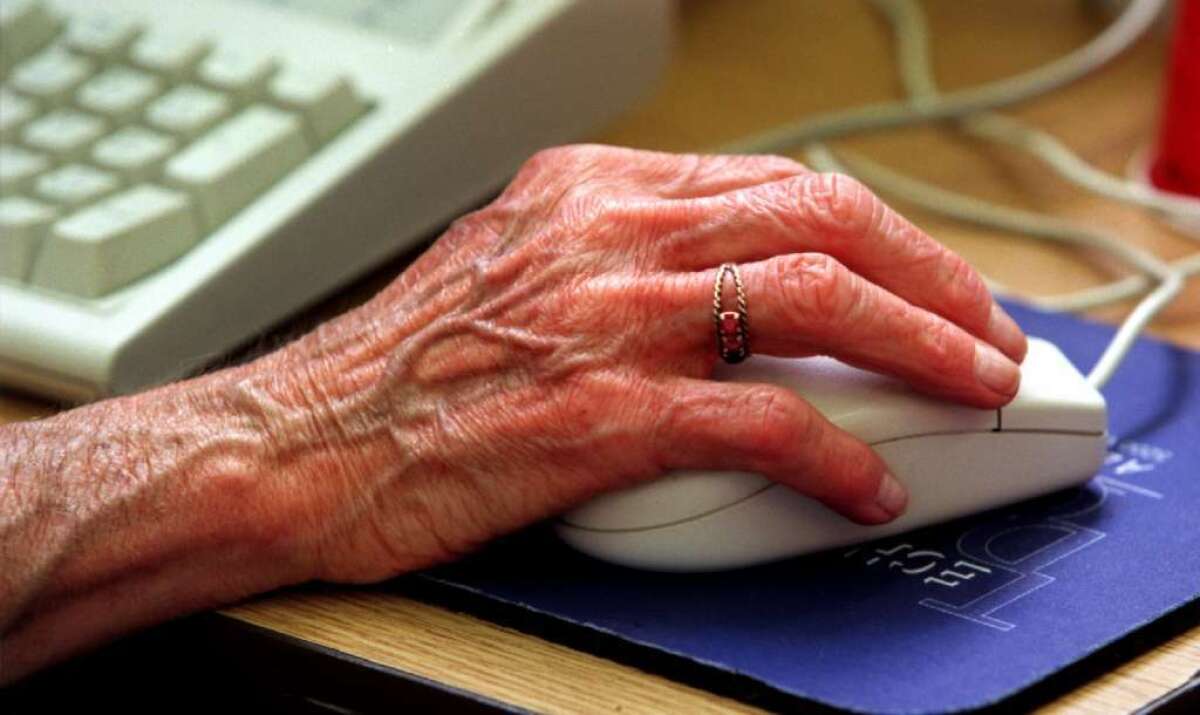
(731, 331)
(1176, 165)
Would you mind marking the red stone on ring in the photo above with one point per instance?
(731, 331)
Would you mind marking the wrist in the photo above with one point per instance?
(187, 477)
(129, 512)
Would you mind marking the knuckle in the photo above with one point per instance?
(968, 290)
(839, 203)
(779, 423)
(816, 288)
(947, 350)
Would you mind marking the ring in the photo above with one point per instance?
(733, 328)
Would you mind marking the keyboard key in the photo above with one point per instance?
(228, 167)
(188, 111)
(102, 35)
(122, 238)
(168, 55)
(135, 153)
(118, 93)
(26, 26)
(74, 185)
(242, 74)
(19, 168)
(64, 134)
(326, 101)
(15, 110)
(51, 76)
(23, 223)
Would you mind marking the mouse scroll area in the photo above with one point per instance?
(954, 460)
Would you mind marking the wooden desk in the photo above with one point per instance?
(741, 67)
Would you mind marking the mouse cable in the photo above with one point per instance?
(1132, 22)
(1170, 276)
(1010, 220)
(912, 47)
(909, 24)
(911, 32)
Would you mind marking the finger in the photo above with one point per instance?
(649, 173)
(834, 214)
(768, 430)
(808, 302)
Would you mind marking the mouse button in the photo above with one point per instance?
(676, 497)
(873, 407)
(1054, 395)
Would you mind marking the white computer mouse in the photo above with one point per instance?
(955, 461)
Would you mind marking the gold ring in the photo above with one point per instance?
(733, 326)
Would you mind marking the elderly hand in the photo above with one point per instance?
(559, 343)
(554, 345)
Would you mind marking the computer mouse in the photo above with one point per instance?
(955, 460)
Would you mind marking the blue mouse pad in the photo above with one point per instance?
(952, 617)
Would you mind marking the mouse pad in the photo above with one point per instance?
(952, 617)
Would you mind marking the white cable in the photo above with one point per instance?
(982, 213)
(1108, 293)
(916, 71)
(1070, 166)
(1136, 18)
(1132, 326)
(912, 44)
(973, 210)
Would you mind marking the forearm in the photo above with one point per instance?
(131, 511)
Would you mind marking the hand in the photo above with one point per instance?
(559, 343)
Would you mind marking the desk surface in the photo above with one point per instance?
(741, 67)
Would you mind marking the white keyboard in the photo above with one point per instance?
(177, 177)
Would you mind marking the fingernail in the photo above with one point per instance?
(1006, 334)
(996, 372)
(891, 496)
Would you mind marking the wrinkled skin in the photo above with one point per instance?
(551, 346)
(557, 344)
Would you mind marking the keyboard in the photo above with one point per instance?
(176, 178)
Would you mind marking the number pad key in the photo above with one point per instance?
(231, 165)
(19, 167)
(188, 111)
(122, 238)
(135, 153)
(64, 133)
(244, 75)
(52, 76)
(74, 185)
(15, 111)
(326, 101)
(168, 55)
(102, 36)
(118, 93)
